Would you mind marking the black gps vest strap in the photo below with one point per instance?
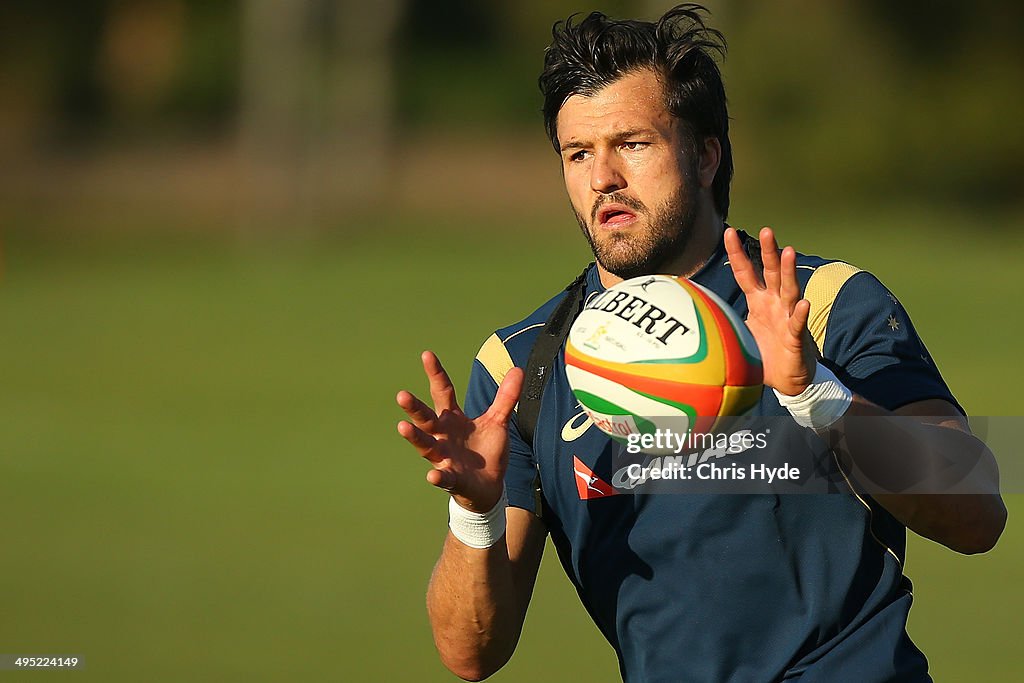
(553, 334)
(544, 352)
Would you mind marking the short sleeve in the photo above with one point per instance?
(522, 481)
(865, 333)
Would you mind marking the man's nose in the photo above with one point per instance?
(605, 175)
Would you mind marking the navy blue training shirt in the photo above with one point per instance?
(730, 588)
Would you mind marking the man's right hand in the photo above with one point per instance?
(477, 598)
(469, 457)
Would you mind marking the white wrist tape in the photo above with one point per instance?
(477, 529)
(824, 401)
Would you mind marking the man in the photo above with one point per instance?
(690, 587)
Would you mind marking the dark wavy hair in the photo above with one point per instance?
(587, 55)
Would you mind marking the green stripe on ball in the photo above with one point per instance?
(606, 407)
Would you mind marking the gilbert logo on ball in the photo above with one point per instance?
(659, 352)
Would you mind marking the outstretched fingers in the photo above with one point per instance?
(424, 443)
(507, 397)
(742, 268)
(441, 389)
(422, 415)
(790, 288)
(798, 320)
(770, 259)
(429, 448)
(442, 479)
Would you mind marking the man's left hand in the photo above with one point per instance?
(777, 315)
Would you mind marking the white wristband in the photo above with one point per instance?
(824, 401)
(477, 529)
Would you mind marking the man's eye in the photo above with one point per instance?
(579, 156)
(633, 146)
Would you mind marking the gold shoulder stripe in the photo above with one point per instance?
(495, 359)
(821, 290)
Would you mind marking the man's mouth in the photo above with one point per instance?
(615, 216)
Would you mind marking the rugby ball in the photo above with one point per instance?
(659, 352)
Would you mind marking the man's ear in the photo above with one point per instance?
(710, 158)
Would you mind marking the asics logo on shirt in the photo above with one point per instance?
(576, 426)
(646, 283)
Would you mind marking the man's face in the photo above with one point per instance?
(630, 175)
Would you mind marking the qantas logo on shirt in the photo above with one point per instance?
(588, 484)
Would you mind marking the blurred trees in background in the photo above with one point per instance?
(94, 71)
(316, 115)
(898, 101)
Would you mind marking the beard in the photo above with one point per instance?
(668, 231)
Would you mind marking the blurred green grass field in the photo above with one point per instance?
(201, 478)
